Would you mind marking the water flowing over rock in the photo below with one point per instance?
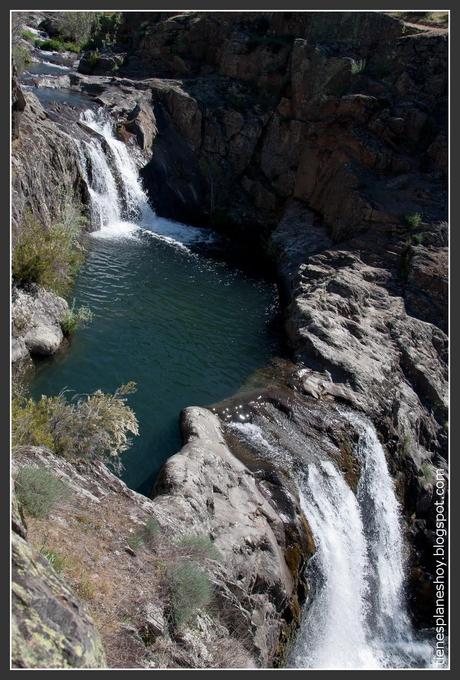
(322, 139)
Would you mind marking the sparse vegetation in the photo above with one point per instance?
(413, 220)
(74, 318)
(28, 35)
(357, 66)
(190, 590)
(74, 27)
(418, 238)
(406, 444)
(49, 257)
(89, 427)
(57, 561)
(135, 542)
(57, 45)
(105, 29)
(427, 472)
(38, 490)
(199, 546)
(86, 588)
(146, 536)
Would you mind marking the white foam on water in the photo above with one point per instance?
(116, 191)
(117, 230)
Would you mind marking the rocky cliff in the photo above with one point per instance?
(323, 138)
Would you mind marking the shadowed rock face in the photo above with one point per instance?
(346, 112)
(44, 167)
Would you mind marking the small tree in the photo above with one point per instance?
(90, 427)
(49, 257)
(76, 26)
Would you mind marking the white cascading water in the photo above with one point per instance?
(119, 204)
(357, 618)
(334, 631)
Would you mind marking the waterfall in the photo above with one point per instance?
(119, 204)
(334, 632)
(356, 616)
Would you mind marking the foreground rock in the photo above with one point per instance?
(50, 626)
(203, 491)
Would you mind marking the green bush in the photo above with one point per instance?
(151, 530)
(91, 427)
(48, 257)
(358, 66)
(75, 317)
(38, 490)
(200, 546)
(28, 35)
(418, 238)
(190, 590)
(105, 29)
(135, 542)
(413, 220)
(75, 26)
(57, 45)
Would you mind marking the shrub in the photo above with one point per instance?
(28, 35)
(200, 546)
(39, 491)
(91, 427)
(57, 45)
(190, 590)
(105, 29)
(413, 220)
(75, 317)
(48, 257)
(31, 421)
(418, 238)
(150, 530)
(75, 26)
(86, 588)
(57, 561)
(135, 542)
(358, 66)
(146, 536)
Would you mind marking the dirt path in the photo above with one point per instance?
(426, 28)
